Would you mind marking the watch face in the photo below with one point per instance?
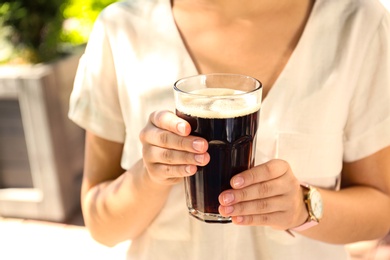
(316, 204)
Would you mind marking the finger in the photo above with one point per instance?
(169, 121)
(278, 220)
(256, 191)
(261, 206)
(261, 173)
(162, 138)
(172, 172)
(155, 154)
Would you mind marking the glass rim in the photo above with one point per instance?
(257, 82)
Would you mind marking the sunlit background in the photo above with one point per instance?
(36, 31)
(41, 151)
(40, 44)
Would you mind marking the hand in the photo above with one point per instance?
(169, 152)
(266, 195)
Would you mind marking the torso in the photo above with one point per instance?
(255, 45)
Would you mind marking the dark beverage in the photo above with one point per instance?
(231, 142)
(223, 109)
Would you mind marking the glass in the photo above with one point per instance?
(224, 109)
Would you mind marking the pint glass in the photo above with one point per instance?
(224, 109)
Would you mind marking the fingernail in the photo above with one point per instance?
(229, 209)
(199, 158)
(181, 127)
(188, 169)
(198, 145)
(227, 198)
(238, 182)
(239, 219)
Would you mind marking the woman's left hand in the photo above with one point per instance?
(266, 195)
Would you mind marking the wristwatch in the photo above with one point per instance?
(313, 202)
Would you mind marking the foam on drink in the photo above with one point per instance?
(218, 103)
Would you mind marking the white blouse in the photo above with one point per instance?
(330, 104)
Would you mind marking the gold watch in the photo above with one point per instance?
(314, 206)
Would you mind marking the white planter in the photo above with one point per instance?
(53, 144)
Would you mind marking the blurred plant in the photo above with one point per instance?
(80, 16)
(33, 31)
(33, 28)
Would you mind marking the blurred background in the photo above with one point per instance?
(41, 151)
(44, 30)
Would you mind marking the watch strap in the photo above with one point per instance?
(311, 221)
(306, 225)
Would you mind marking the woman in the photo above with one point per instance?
(325, 121)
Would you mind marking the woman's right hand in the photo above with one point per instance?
(169, 152)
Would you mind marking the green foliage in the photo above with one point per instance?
(80, 17)
(37, 30)
(34, 27)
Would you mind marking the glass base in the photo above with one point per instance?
(209, 217)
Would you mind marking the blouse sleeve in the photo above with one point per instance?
(94, 102)
(368, 127)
